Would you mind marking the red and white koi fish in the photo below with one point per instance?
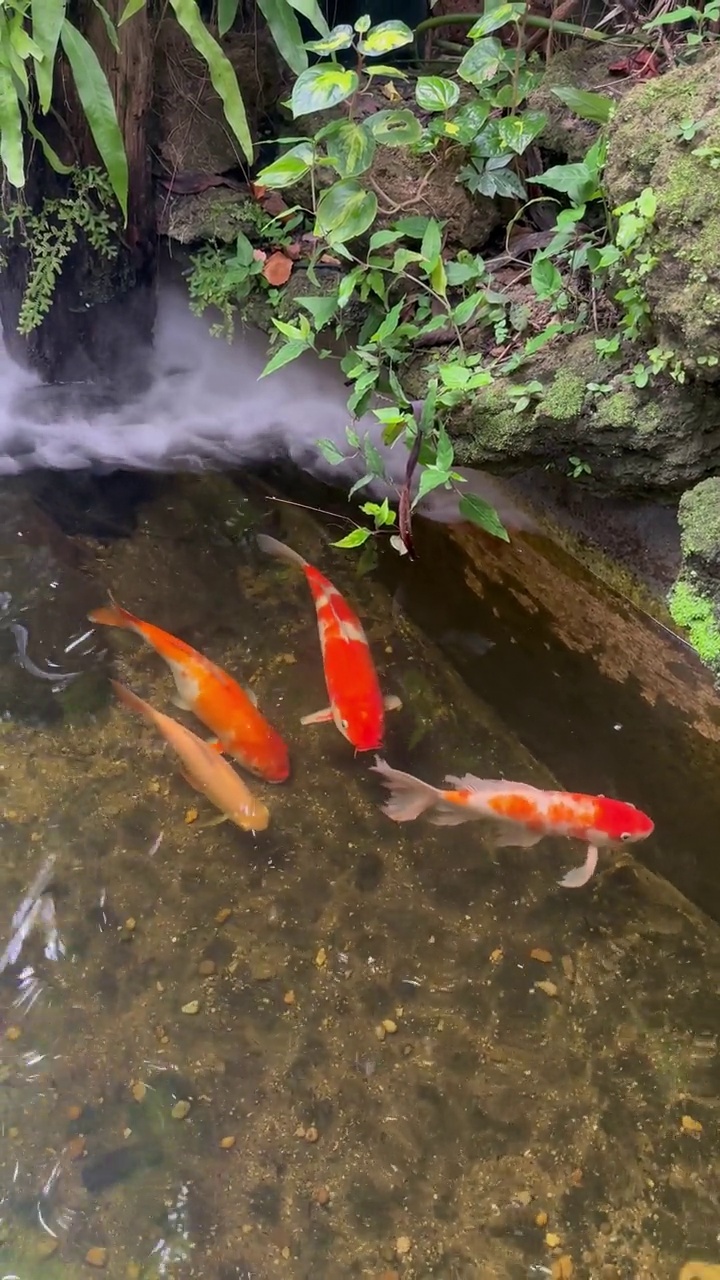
(356, 703)
(213, 696)
(203, 768)
(520, 814)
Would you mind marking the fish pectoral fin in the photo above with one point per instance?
(512, 837)
(213, 822)
(181, 703)
(579, 876)
(215, 745)
(449, 815)
(392, 702)
(318, 717)
(251, 695)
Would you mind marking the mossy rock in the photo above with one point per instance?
(659, 439)
(646, 150)
(695, 598)
(216, 214)
(582, 66)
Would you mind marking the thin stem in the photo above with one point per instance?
(531, 19)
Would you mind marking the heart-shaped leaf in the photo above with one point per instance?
(322, 87)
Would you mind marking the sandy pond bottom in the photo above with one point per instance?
(393, 1054)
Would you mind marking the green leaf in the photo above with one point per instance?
(330, 452)
(379, 69)
(226, 14)
(686, 13)
(479, 512)
(109, 25)
(311, 10)
(389, 324)
(288, 168)
(322, 309)
(647, 203)
(347, 287)
(11, 138)
(355, 538)
(589, 106)
(463, 272)
(517, 132)
(482, 62)
(413, 226)
(430, 478)
(134, 6)
(285, 31)
(496, 17)
(385, 37)
(222, 75)
(577, 180)
(50, 154)
(341, 37)
(395, 128)
(97, 103)
(47, 19)
(284, 356)
(545, 278)
(351, 148)
(431, 244)
(435, 93)
(465, 310)
(322, 87)
(344, 211)
(363, 24)
(445, 452)
(379, 239)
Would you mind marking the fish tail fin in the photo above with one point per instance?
(409, 796)
(113, 615)
(131, 700)
(272, 547)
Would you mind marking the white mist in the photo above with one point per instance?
(207, 407)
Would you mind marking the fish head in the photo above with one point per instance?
(621, 823)
(360, 724)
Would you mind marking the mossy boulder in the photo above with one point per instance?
(647, 149)
(582, 66)
(659, 439)
(695, 598)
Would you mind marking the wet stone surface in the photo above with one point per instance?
(323, 1052)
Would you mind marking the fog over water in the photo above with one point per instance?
(206, 407)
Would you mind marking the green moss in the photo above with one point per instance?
(696, 613)
(564, 398)
(699, 517)
(618, 410)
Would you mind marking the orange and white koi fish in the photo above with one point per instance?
(520, 814)
(204, 769)
(356, 703)
(213, 696)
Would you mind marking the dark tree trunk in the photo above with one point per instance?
(100, 324)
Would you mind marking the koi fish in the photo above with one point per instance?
(203, 768)
(213, 696)
(357, 706)
(521, 814)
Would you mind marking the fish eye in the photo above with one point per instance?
(343, 724)
(626, 835)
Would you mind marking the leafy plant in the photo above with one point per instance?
(50, 234)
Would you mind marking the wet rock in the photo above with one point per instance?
(646, 149)
(635, 441)
(695, 597)
(193, 132)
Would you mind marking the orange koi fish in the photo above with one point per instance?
(213, 696)
(521, 814)
(205, 770)
(356, 703)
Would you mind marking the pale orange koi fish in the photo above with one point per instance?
(212, 695)
(357, 705)
(521, 814)
(204, 769)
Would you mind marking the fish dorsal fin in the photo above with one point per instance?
(469, 782)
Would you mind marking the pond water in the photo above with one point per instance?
(340, 1048)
